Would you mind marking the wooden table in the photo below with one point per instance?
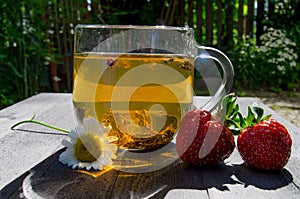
(29, 165)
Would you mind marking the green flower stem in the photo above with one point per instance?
(40, 123)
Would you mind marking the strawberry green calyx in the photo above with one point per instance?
(229, 109)
(234, 120)
(232, 109)
(255, 115)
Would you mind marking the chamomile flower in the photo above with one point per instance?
(90, 146)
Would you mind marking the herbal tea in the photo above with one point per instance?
(141, 96)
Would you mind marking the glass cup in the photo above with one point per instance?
(139, 80)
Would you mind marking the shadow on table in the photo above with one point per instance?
(40, 132)
(51, 179)
(269, 180)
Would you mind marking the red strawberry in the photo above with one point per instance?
(202, 140)
(263, 143)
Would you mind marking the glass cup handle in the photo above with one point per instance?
(228, 74)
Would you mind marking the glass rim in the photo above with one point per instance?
(141, 27)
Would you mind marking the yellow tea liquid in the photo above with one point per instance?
(141, 96)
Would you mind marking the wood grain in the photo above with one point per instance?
(30, 167)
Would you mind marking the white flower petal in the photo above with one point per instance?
(88, 167)
(113, 156)
(74, 166)
(62, 156)
(104, 129)
(67, 143)
(106, 153)
(111, 138)
(66, 156)
(82, 165)
(73, 135)
(111, 147)
(90, 125)
(73, 162)
(104, 161)
(63, 160)
(69, 151)
(80, 130)
(96, 165)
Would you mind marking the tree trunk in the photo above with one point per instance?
(172, 15)
(219, 23)
(250, 17)
(67, 36)
(259, 19)
(53, 67)
(229, 24)
(209, 22)
(190, 13)
(271, 9)
(162, 13)
(181, 16)
(240, 25)
(199, 21)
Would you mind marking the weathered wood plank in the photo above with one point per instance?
(258, 184)
(180, 178)
(30, 167)
(143, 185)
(59, 181)
(23, 149)
(293, 166)
(186, 194)
(50, 179)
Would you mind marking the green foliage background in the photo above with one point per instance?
(254, 68)
(23, 50)
(26, 50)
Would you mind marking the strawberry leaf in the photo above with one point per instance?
(267, 117)
(234, 126)
(234, 120)
(241, 120)
(231, 106)
(235, 131)
(259, 112)
(235, 112)
(229, 103)
(250, 119)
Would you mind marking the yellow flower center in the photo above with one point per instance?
(88, 148)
